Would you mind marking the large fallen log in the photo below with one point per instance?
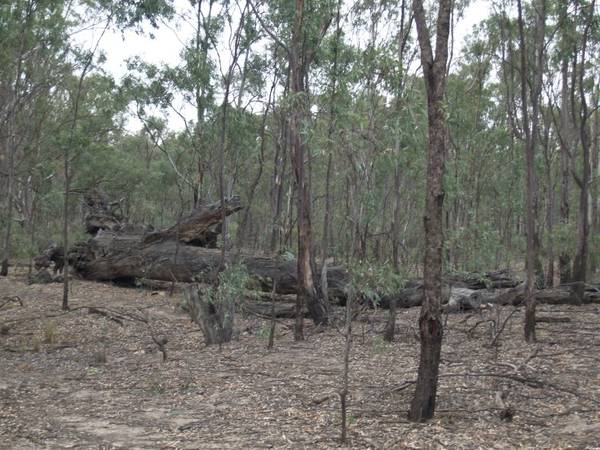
(121, 252)
(111, 256)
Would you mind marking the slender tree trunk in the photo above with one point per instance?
(242, 231)
(330, 141)
(10, 149)
(307, 293)
(403, 36)
(10, 141)
(422, 405)
(530, 130)
(595, 198)
(223, 144)
(580, 263)
(549, 204)
(564, 260)
(67, 164)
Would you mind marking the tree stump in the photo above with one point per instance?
(214, 315)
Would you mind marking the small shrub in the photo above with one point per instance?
(380, 345)
(213, 308)
(50, 333)
(264, 332)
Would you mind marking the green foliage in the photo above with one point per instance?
(371, 281)
(368, 111)
(230, 287)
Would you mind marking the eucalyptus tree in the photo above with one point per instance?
(530, 124)
(305, 24)
(430, 325)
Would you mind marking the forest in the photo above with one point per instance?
(299, 224)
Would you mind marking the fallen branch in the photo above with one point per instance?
(11, 299)
(94, 310)
(549, 319)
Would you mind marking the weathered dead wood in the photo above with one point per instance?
(11, 299)
(106, 314)
(550, 319)
(499, 279)
(115, 257)
(195, 228)
(215, 318)
(270, 310)
(100, 214)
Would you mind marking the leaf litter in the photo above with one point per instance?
(94, 377)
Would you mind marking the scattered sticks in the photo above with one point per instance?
(11, 299)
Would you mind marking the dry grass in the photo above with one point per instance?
(57, 392)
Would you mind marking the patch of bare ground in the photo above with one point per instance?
(94, 380)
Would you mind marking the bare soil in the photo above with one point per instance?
(86, 380)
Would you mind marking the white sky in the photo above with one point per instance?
(169, 39)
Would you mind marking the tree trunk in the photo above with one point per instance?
(9, 209)
(580, 263)
(530, 130)
(215, 317)
(564, 260)
(549, 282)
(307, 293)
(422, 407)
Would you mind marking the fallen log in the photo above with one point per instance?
(499, 279)
(197, 228)
(465, 299)
(123, 253)
(265, 310)
(550, 319)
(111, 256)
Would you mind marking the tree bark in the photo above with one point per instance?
(422, 406)
(530, 131)
(564, 260)
(299, 62)
(9, 210)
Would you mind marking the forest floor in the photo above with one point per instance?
(56, 390)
